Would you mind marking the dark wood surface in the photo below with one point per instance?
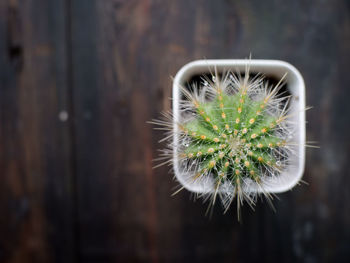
(80, 78)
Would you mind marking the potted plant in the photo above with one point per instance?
(236, 130)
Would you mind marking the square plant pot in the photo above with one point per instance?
(273, 69)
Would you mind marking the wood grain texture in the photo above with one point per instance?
(36, 162)
(83, 189)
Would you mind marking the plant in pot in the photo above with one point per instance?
(236, 129)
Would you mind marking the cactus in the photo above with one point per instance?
(234, 134)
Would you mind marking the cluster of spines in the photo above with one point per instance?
(237, 133)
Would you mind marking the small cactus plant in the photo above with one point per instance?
(234, 132)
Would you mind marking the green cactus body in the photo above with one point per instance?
(234, 135)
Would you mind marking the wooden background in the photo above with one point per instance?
(78, 81)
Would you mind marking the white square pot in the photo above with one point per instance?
(270, 68)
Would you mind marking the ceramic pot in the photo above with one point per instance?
(270, 69)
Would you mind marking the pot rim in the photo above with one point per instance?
(275, 68)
